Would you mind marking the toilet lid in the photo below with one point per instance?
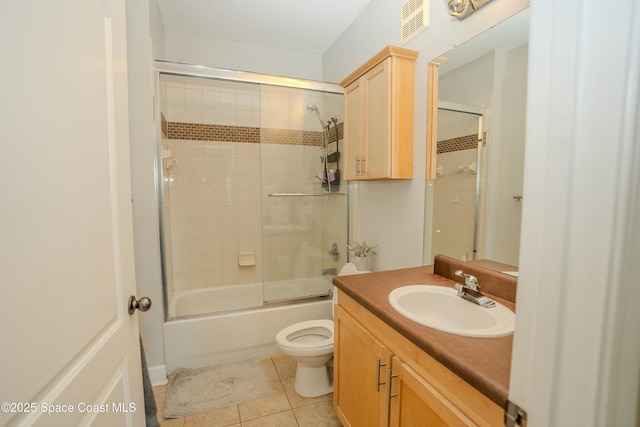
(287, 336)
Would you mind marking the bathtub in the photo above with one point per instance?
(243, 333)
(207, 300)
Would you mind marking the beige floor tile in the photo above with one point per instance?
(295, 400)
(160, 393)
(281, 419)
(274, 403)
(319, 414)
(269, 369)
(273, 410)
(285, 366)
(176, 422)
(218, 418)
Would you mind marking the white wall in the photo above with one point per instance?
(157, 30)
(400, 205)
(576, 347)
(191, 49)
(508, 157)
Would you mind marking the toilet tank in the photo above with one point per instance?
(348, 269)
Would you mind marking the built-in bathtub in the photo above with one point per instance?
(212, 300)
(242, 329)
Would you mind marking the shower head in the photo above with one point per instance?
(312, 107)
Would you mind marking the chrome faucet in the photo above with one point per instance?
(471, 284)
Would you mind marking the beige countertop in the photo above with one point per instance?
(484, 363)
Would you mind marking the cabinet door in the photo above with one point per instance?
(360, 365)
(353, 129)
(376, 150)
(415, 402)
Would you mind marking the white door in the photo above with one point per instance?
(70, 352)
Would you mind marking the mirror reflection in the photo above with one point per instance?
(474, 194)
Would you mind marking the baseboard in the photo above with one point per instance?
(158, 375)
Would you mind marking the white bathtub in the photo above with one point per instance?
(209, 300)
(242, 334)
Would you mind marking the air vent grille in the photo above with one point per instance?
(413, 19)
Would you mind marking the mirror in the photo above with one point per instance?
(475, 147)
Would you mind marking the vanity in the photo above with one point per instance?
(392, 371)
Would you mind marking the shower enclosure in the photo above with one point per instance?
(458, 194)
(251, 208)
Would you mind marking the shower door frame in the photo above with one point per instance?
(202, 71)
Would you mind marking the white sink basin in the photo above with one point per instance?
(439, 307)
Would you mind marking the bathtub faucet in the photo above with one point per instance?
(329, 271)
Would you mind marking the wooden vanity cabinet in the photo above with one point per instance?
(381, 379)
(378, 125)
(415, 402)
(359, 395)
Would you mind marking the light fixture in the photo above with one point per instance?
(460, 9)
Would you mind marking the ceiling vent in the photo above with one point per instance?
(413, 19)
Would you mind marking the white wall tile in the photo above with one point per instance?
(175, 113)
(175, 94)
(210, 97)
(193, 114)
(193, 97)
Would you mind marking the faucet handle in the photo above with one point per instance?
(469, 280)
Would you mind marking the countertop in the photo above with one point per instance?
(484, 363)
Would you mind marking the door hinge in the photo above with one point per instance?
(514, 416)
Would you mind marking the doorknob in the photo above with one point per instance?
(143, 304)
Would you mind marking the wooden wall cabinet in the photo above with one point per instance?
(382, 379)
(378, 124)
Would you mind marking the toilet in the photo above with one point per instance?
(310, 344)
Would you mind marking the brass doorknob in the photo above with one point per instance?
(143, 304)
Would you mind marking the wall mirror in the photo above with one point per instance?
(475, 146)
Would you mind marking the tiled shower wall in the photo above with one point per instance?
(454, 190)
(231, 144)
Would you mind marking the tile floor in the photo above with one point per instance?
(283, 408)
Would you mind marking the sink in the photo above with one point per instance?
(441, 308)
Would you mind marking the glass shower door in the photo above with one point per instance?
(457, 187)
(300, 144)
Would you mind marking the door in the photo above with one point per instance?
(415, 402)
(361, 363)
(70, 348)
(353, 129)
(377, 142)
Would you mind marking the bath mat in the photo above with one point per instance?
(194, 391)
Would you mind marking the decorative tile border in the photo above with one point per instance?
(204, 132)
(223, 133)
(466, 142)
(164, 125)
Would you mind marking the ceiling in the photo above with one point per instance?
(308, 26)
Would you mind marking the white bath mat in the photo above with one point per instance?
(194, 391)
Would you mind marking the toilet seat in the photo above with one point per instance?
(307, 338)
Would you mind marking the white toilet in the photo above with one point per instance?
(310, 344)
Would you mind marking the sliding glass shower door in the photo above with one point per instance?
(457, 189)
(304, 204)
(251, 202)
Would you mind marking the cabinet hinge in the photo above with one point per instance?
(514, 416)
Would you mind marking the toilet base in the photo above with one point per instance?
(313, 381)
